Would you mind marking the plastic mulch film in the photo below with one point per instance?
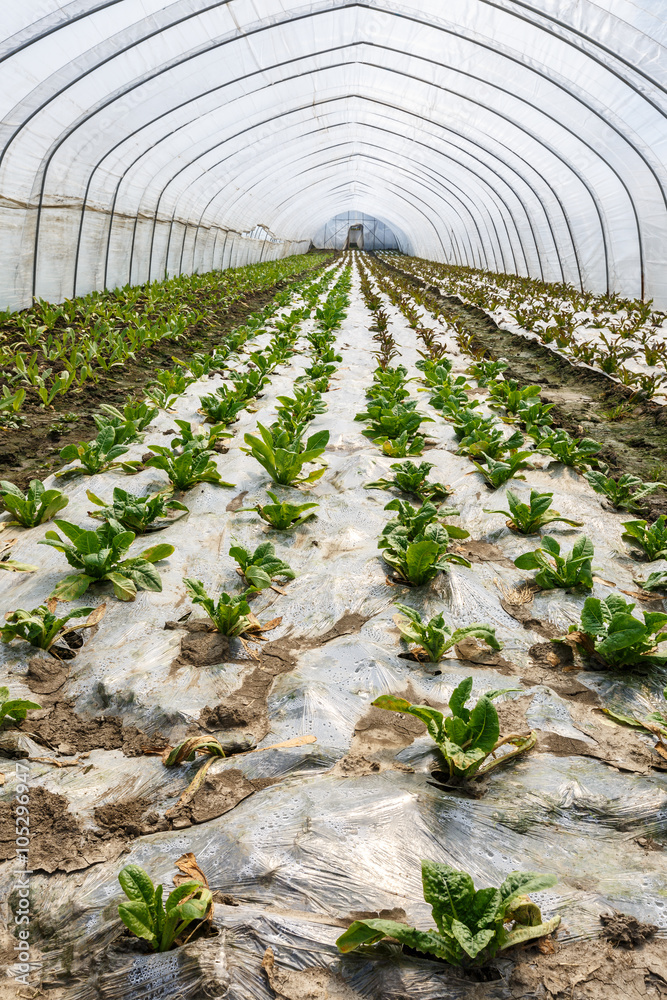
(339, 826)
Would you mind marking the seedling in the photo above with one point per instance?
(148, 918)
(249, 384)
(231, 614)
(487, 371)
(578, 453)
(472, 926)
(402, 446)
(609, 630)
(508, 395)
(224, 407)
(489, 442)
(415, 544)
(655, 581)
(15, 709)
(33, 507)
(138, 413)
(95, 456)
(41, 627)
(284, 460)
(527, 519)
(467, 737)
(434, 638)
(412, 478)
(98, 555)
(282, 515)
(573, 571)
(497, 473)
(626, 493)
(261, 566)
(186, 470)
(651, 538)
(197, 438)
(138, 514)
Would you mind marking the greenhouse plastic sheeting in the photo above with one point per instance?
(300, 855)
(143, 138)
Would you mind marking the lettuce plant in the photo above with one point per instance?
(41, 626)
(467, 737)
(186, 470)
(487, 371)
(578, 453)
(509, 396)
(197, 438)
(33, 507)
(284, 459)
(626, 493)
(402, 446)
(391, 422)
(497, 473)
(436, 638)
(412, 478)
(230, 614)
(15, 709)
(556, 570)
(95, 456)
(261, 566)
(490, 442)
(138, 514)
(528, 518)
(608, 629)
(472, 926)
(651, 538)
(248, 385)
(301, 408)
(415, 544)
(98, 556)
(161, 924)
(655, 581)
(282, 515)
(223, 407)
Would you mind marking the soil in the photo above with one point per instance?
(621, 928)
(308, 984)
(636, 443)
(33, 451)
(592, 970)
(64, 731)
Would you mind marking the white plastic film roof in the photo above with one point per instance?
(140, 138)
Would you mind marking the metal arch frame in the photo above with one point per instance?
(446, 90)
(431, 171)
(364, 98)
(482, 180)
(413, 114)
(520, 128)
(475, 42)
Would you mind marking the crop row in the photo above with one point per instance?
(52, 349)
(604, 331)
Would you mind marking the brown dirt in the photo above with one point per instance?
(380, 732)
(481, 552)
(592, 970)
(201, 646)
(637, 443)
(57, 840)
(218, 793)
(34, 451)
(306, 984)
(621, 928)
(524, 613)
(66, 732)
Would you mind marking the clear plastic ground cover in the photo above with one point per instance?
(344, 825)
(607, 332)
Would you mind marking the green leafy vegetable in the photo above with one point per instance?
(95, 456)
(415, 544)
(186, 470)
(231, 614)
(261, 566)
(161, 924)
(283, 458)
(626, 493)
(33, 507)
(528, 518)
(282, 515)
(575, 452)
(434, 637)
(609, 630)
(652, 539)
(655, 581)
(560, 571)
(223, 407)
(98, 555)
(41, 627)
(470, 924)
(412, 478)
(497, 473)
(467, 737)
(138, 514)
(15, 709)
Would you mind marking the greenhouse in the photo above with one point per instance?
(333, 500)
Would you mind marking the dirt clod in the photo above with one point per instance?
(64, 728)
(622, 928)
